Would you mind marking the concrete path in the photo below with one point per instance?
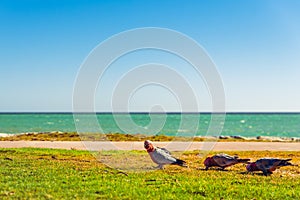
(172, 146)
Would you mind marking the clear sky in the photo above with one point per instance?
(255, 45)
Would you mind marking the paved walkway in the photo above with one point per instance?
(172, 146)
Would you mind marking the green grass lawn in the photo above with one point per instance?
(70, 174)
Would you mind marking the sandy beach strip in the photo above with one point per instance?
(172, 146)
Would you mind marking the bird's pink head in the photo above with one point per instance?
(251, 167)
(208, 162)
(148, 146)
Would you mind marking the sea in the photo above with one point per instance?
(171, 124)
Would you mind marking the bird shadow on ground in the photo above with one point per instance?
(251, 173)
(213, 169)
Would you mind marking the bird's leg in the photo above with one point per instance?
(206, 168)
(159, 167)
(265, 172)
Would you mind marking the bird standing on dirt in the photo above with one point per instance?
(267, 165)
(162, 156)
(223, 161)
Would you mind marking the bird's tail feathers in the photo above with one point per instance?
(286, 163)
(180, 163)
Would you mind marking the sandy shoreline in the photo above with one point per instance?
(172, 146)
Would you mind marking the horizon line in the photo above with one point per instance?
(140, 112)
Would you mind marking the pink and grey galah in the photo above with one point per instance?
(267, 165)
(162, 156)
(223, 161)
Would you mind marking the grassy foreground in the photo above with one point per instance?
(71, 174)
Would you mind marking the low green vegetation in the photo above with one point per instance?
(70, 136)
(71, 174)
(73, 136)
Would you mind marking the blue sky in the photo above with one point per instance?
(254, 44)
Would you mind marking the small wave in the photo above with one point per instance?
(6, 134)
(183, 130)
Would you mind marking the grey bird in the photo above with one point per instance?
(223, 161)
(268, 165)
(162, 156)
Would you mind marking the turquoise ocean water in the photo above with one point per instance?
(243, 124)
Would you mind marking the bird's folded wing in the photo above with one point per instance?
(221, 161)
(267, 163)
(163, 157)
(224, 160)
(165, 150)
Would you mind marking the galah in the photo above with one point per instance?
(267, 165)
(162, 156)
(223, 161)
